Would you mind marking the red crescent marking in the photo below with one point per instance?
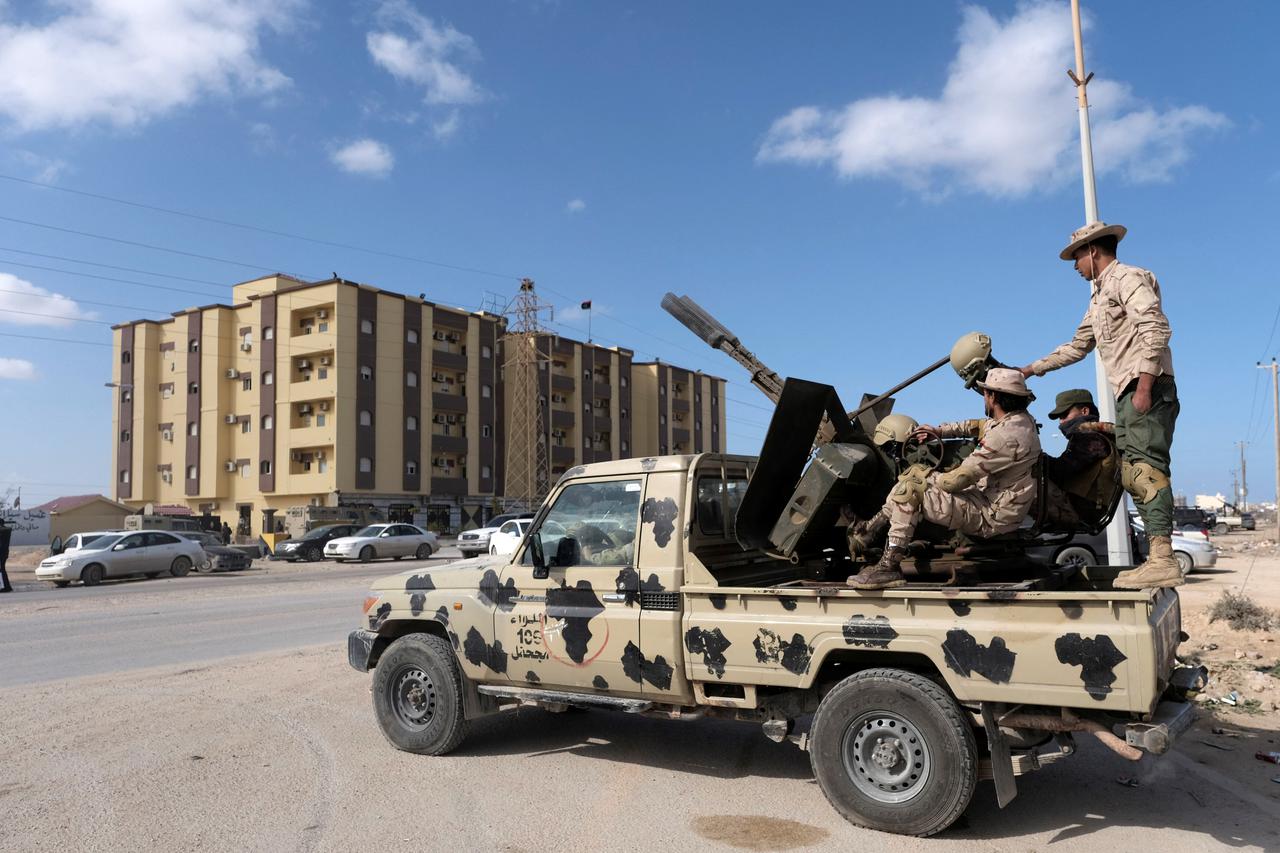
(543, 632)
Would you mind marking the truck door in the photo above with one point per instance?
(574, 628)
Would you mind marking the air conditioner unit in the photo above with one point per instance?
(232, 373)
(166, 476)
(230, 465)
(167, 435)
(305, 409)
(322, 314)
(320, 455)
(246, 347)
(324, 360)
(324, 406)
(231, 419)
(296, 457)
(304, 364)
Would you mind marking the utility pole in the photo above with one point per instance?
(528, 477)
(1275, 413)
(1242, 503)
(1118, 551)
(1235, 488)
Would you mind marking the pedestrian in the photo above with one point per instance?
(1126, 323)
(226, 533)
(6, 533)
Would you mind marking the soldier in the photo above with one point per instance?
(890, 434)
(989, 493)
(1085, 472)
(598, 548)
(1125, 322)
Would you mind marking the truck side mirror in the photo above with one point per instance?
(540, 570)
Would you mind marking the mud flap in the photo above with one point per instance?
(1001, 759)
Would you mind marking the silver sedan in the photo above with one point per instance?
(113, 555)
(376, 541)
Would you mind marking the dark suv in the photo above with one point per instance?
(1191, 518)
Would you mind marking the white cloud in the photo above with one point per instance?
(21, 301)
(417, 50)
(447, 128)
(576, 205)
(1004, 124)
(365, 157)
(125, 63)
(17, 368)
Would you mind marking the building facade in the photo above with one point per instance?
(333, 393)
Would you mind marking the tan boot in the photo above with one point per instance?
(1160, 569)
(885, 574)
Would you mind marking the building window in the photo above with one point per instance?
(320, 419)
(324, 373)
(697, 425)
(485, 472)
(486, 391)
(306, 327)
(366, 372)
(411, 379)
(268, 333)
(662, 390)
(366, 327)
(246, 426)
(247, 383)
(124, 476)
(485, 352)
(586, 442)
(586, 407)
(247, 341)
(411, 336)
(411, 468)
(697, 398)
(485, 431)
(193, 388)
(268, 378)
(625, 446)
(124, 435)
(268, 422)
(126, 395)
(622, 413)
(193, 345)
(411, 423)
(715, 427)
(324, 326)
(125, 357)
(366, 464)
(193, 428)
(366, 419)
(166, 391)
(264, 467)
(322, 465)
(192, 472)
(662, 419)
(622, 381)
(244, 470)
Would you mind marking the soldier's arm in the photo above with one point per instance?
(971, 428)
(994, 454)
(1141, 297)
(1082, 452)
(1080, 345)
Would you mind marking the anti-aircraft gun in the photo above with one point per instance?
(819, 465)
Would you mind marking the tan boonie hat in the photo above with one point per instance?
(1089, 233)
(1007, 381)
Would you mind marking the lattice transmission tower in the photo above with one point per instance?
(528, 476)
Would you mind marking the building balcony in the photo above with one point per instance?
(602, 391)
(448, 402)
(308, 482)
(444, 360)
(602, 423)
(679, 436)
(678, 405)
(561, 382)
(312, 436)
(448, 443)
(561, 419)
(562, 455)
(448, 485)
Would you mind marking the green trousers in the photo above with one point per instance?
(1148, 437)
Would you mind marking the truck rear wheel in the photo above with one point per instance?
(1221, 528)
(417, 695)
(892, 751)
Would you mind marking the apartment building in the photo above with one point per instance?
(322, 393)
(333, 393)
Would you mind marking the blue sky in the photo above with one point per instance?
(850, 187)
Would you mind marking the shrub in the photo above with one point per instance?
(1242, 613)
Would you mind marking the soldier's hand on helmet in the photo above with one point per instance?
(1026, 372)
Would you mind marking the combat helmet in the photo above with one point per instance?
(894, 428)
(971, 356)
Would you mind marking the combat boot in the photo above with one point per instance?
(1160, 570)
(885, 574)
(864, 535)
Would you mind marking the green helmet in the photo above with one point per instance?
(894, 428)
(971, 356)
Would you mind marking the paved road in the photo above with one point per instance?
(67, 633)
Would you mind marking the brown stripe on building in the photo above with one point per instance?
(664, 411)
(194, 344)
(449, 319)
(488, 407)
(267, 395)
(697, 413)
(412, 398)
(624, 406)
(588, 386)
(124, 449)
(366, 390)
(715, 415)
(168, 346)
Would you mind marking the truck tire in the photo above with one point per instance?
(1221, 528)
(1076, 555)
(417, 695)
(892, 751)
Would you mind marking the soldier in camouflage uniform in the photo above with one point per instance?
(988, 494)
(598, 548)
(1083, 477)
(1126, 323)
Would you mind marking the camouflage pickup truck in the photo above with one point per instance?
(633, 592)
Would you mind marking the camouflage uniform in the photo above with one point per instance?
(1127, 325)
(989, 493)
(1075, 475)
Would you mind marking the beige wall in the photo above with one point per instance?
(98, 515)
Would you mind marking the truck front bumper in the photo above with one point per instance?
(360, 648)
(1171, 719)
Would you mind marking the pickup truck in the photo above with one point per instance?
(632, 592)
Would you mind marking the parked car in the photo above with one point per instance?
(472, 542)
(1191, 552)
(310, 545)
(113, 555)
(219, 557)
(1193, 518)
(506, 538)
(1247, 521)
(376, 541)
(76, 541)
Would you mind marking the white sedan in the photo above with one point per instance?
(506, 539)
(113, 555)
(376, 541)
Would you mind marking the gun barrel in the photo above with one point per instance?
(696, 319)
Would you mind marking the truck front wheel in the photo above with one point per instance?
(417, 695)
(892, 751)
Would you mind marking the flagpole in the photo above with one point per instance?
(1118, 550)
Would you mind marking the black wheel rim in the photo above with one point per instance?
(886, 757)
(413, 697)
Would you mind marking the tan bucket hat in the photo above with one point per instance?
(1006, 380)
(1089, 233)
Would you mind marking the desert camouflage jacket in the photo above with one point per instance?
(1001, 470)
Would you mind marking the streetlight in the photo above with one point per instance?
(122, 385)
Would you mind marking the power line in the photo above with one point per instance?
(106, 266)
(1271, 336)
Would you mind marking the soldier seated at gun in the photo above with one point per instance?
(987, 494)
(1081, 482)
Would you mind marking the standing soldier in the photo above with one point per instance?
(6, 532)
(1125, 322)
